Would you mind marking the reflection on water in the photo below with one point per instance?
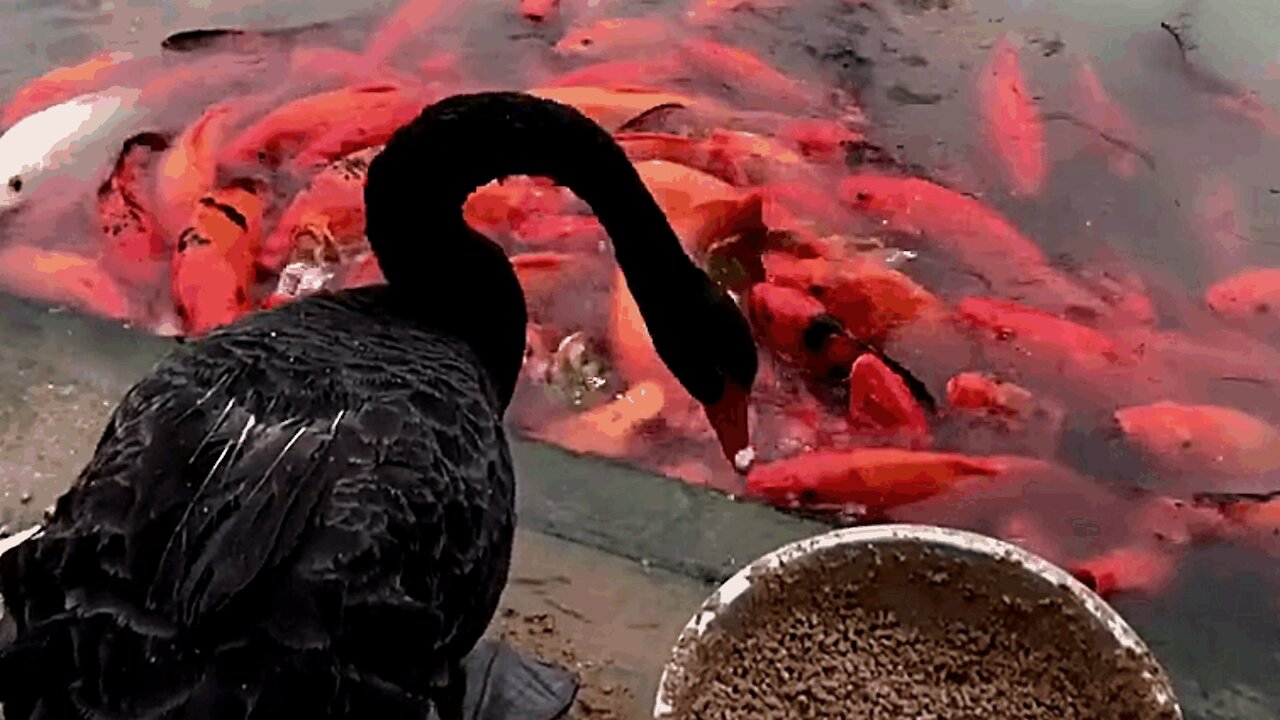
(1199, 203)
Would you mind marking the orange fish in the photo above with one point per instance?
(504, 206)
(1249, 294)
(797, 327)
(650, 72)
(715, 12)
(364, 132)
(297, 124)
(134, 249)
(746, 73)
(543, 275)
(1124, 570)
(538, 10)
(976, 235)
(62, 84)
(697, 154)
(61, 278)
(581, 233)
(325, 63)
(1261, 518)
(1011, 121)
(1041, 333)
(614, 36)
(631, 350)
(819, 140)
(691, 199)
(870, 300)
(613, 106)
(187, 172)
(878, 478)
(1202, 438)
(612, 429)
(213, 268)
(414, 18)
(879, 399)
(324, 225)
(975, 391)
(1099, 109)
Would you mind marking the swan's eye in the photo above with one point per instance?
(15, 184)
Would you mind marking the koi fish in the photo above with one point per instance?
(1011, 121)
(1099, 110)
(878, 478)
(1261, 518)
(704, 156)
(745, 73)
(187, 172)
(365, 131)
(819, 140)
(649, 72)
(612, 107)
(1041, 333)
(870, 300)
(297, 124)
(412, 19)
(1218, 223)
(1249, 294)
(611, 429)
(62, 84)
(1025, 531)
(505, 206)
(538, 10)
(879, 399)
(213, 268)
(975, 391)
(581, 233)
(715, 12)
(794, 325)
(613, 36)
(134, 250)
(41, 145)
(324, 225)
(62, 278)
(1202, 438)
(1124, 570)
(543, 275)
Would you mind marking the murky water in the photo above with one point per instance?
(915, 84)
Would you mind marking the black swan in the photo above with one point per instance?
(309, 512)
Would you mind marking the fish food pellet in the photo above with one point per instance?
(909, 638)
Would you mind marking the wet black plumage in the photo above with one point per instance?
(309, 513)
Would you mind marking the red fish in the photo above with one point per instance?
(650, 72)
(1219, 224)
(543, 275)
(538, 10)
(610, 430)
(613, 105)
(697, 154)
(582, 233)
(1249, 294)
(797, 327)
(1011, 121)
(324, 225)
(614, 36)
(1100, 110)
(213, 268)
(819, 140)
(870, 300)
(746, 73)
(1130, 569)
(878, 478)
(61, 278)
(414, 18)
(1202, 438)
(134, 249)
(504, 207)
(363, 132)
(879, 399)
(62, 84)
(1043, 334)
(188, 171)
(299, 123)
(715, 12)
(976, 235)
(975, 391)
(1260, 518)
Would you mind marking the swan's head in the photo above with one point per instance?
(712, 352)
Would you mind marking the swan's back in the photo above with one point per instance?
(309, 511)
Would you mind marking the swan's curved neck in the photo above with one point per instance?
(417, 186)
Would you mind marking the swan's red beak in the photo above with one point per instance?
(728, 418)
